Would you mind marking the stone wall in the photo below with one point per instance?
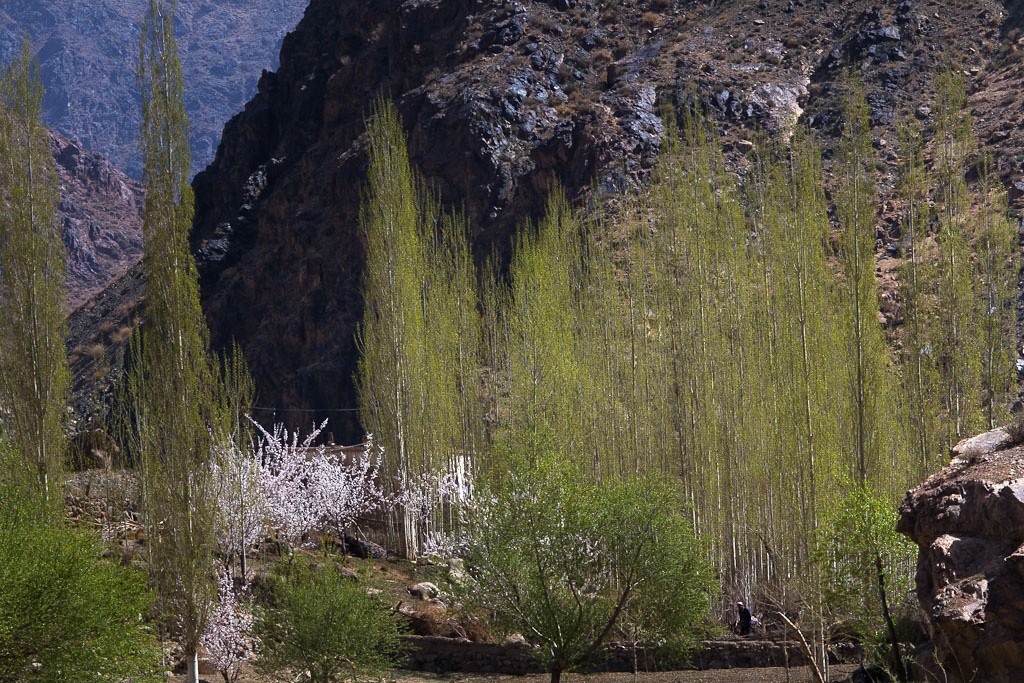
(443, 655)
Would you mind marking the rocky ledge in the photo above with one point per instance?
(968, 523)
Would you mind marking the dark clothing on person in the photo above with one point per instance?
(744, 621)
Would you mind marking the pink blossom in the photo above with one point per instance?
(241, 500)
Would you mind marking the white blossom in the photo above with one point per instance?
(228, 639)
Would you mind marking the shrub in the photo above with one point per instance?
(570, 562)
(327, 625)
(66, 614)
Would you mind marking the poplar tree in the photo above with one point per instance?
(957, 335)
(546, 381)
(419, 373)
(869, 382)
(997, 264)
(34, 376)
(920, 370)
(172, 382)
(804, 341)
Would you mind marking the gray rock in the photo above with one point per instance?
(424, 590)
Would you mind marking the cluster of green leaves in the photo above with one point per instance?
(67, 614)
(327, 624)
(570, 563)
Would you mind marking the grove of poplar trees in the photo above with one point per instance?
(725, 332)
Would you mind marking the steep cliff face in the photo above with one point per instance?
(500, 101)
(88, 52)
(101, 215)
(968, 523)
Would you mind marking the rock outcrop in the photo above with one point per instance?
(101, 219)
(500, 101)
(968, 523)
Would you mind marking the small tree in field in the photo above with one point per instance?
(326, 625)
(228, 639)
(867, 566)
(564, 561)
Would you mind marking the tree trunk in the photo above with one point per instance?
(897, 658)
(556, 675)
(192, 676)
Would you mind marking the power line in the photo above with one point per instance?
(304, 410)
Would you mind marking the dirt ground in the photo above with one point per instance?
(774, 675)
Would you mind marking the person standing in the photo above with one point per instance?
(743, 626)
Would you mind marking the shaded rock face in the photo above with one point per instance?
(968, 523)
(500, 102)
(101, 219)
(88, 52)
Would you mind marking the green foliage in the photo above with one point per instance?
(996, 268)
(870, 378)
(721, 333)
(957, 335)
(546, 384)
(65, 611)
(868, 565)
(173, 383)
(920, 369)
(419, 373)
(325, 623)
(34, 376)
(568, 562)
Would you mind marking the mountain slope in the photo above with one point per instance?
(101, 214)
(88, 52)
(501, 100)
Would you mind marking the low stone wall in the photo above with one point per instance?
(443, 655)
(446, 655)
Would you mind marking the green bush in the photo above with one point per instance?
(570, 563)
(65, 612)
(326, 624)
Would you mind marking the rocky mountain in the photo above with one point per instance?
(503, 99)
(968, 523)
(88, 52)
(101, 214)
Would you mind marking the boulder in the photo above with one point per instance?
(968, 523)
(424, 591)
(364, 549)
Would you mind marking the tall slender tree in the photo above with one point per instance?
(997, 263)
(920, 369)
(34, 377)
(871, 372)
(957, 337)
(173, 378)
(419, 373)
